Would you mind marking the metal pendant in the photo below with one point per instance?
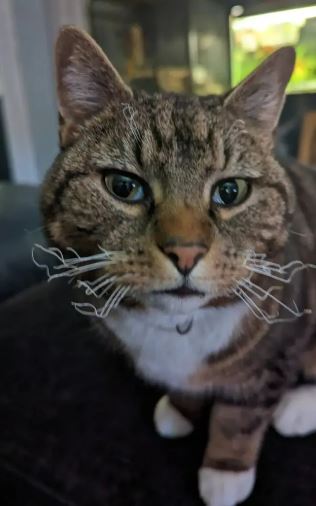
(184, 328)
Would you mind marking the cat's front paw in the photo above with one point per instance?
(225, 488)
(296, 413)
(169, 422)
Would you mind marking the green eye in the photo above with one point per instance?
(230, 192)
(125, 188)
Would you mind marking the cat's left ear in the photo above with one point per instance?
(86, 81)
(260, 97)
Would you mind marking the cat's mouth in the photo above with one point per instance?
(184, 291)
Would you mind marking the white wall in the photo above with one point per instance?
(27, 34)
(20, 146)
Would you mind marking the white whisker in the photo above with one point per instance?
(263, 294)
(297, 233)
(106, 284)
(259, 312)
(253, 307)
(94, 283)
(257, 263)
(54, 252)
(83, 308)
(107, 288)
(76, 271)
(251, 287)
(71, 267)
(270, 317)
(114, 300)
(275, 266)
(122, 295)
(107, 306)
(129, 114)
(250, 254)
(246, 289)
(88, 309)
(77, 265)
(73, 251)
(280, 275)
(40, 266)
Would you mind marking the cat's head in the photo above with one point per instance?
(179, 188)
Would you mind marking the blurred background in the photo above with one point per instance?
(187, 46)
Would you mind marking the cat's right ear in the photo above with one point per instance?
(86, 81)
(259, 98)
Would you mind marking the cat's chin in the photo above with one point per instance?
(177, 304)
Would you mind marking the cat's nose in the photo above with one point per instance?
(185, 257)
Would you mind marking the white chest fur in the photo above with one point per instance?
(166, 357)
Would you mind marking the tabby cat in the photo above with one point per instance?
(195, 247)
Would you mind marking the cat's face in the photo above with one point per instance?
(181, 187)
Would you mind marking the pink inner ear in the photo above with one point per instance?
(259, 98)
(84, 96)
(264, 103)
(87, 81)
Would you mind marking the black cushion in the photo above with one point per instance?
(76, 423)
(20, 228)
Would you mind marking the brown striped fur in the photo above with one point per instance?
(181, 146)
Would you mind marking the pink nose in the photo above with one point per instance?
(185, 257)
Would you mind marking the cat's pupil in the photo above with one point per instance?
(123, 187)
(228, 191)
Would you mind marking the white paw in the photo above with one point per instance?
(225, 488)
(169, 422)
(296, 413)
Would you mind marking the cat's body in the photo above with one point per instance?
(201, 223)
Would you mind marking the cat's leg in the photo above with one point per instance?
(175, 415)
(228, 473)
(296, 412)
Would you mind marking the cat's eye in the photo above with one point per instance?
(125, 188)
(230, 192)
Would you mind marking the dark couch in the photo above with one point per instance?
(20, 228)
(76, 423)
